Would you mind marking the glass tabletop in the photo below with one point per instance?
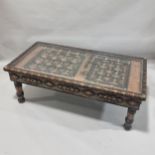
(90, 67)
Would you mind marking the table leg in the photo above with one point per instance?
(129, 118)
(19, 92)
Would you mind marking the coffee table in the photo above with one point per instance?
(112, 78)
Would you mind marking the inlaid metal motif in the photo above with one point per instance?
(57, 61)
(110, 71)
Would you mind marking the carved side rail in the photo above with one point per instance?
(77, 90)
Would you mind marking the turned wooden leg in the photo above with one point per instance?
(129, 118)
(19, 92)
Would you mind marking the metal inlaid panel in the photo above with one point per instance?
(56, 61)
(110, 71)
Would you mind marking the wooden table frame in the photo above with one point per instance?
(127, 99)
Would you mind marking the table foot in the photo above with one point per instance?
(19, 92)
(129, 118)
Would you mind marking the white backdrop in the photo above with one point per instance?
(54, 123)
(119, 26)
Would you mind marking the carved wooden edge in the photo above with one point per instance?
(144, 80)
(118, 99)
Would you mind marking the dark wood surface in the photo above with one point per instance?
(108, 77)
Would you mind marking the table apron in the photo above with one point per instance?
(74, 89)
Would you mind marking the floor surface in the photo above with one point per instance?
(52, 123)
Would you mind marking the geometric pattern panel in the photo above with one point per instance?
(111, 71)
(57, 61)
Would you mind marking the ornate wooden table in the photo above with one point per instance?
(111, 78)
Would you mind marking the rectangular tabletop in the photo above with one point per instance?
(111, 72)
